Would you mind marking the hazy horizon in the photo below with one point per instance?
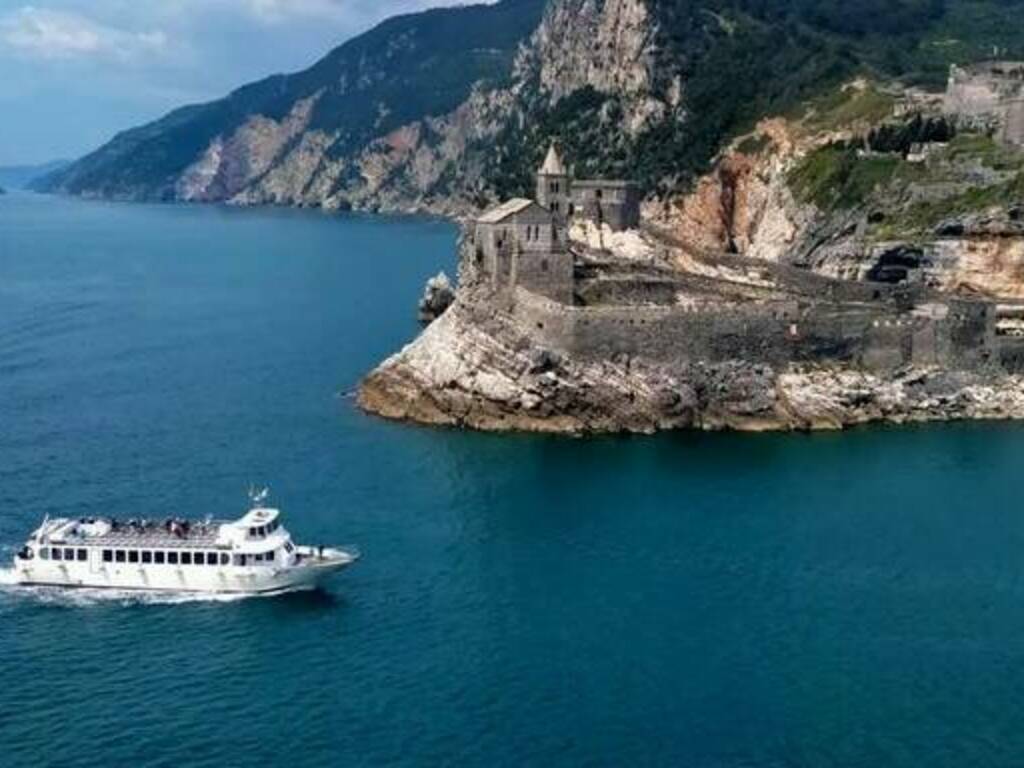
(79, 71)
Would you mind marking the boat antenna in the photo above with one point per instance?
(258, 497)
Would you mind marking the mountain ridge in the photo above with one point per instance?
(449, 110)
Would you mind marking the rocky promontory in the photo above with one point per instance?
(861, 261)
(476, 367)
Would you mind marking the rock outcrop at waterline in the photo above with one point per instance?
(483, 372)
(438, 295)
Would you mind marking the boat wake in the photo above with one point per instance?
(83, 597)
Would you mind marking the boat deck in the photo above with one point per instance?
(157, 537)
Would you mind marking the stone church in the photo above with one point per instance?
(524, 243)
(603, 201)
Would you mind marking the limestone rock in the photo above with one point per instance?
(438, 295)
(474, 367)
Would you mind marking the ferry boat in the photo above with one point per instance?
(252, 555)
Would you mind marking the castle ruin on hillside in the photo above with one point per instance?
(592, 304)
(989, 96)
(602, 201)
(523, 243)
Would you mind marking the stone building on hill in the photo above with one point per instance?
(989, 96)
(521, 243)
(524, 243)
(603, 201)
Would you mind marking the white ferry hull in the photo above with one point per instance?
(254, 554)
(183, 578)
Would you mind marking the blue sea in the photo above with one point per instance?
(716, 600)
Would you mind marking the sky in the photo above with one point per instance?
(75, 72)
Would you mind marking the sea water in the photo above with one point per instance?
(685, 600)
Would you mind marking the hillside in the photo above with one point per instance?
(450, 109)
(311, 124)
(22, 176)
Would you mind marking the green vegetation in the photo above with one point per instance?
(405, 69)
(923, 217)
(845, 107)
(837, 178)
(985, 151)
(754, 144)
(744, 59)
(737, 61)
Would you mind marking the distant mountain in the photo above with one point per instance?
(450, 109)
(298, 138)
(22, 176)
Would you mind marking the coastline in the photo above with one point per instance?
(471, 370)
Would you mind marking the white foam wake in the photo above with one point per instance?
(78, 597)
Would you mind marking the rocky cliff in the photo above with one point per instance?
(478, 367)
(871, 183)
(451, 109)
(867, 192)
(383, 121)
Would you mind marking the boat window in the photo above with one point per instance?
(56, 553)
(257, 558)
(186, 558)
(133, 555)
(83, 555)
(225, 558)
(158, 558)
(69, 554)
(108, 555)
(199, 558)
(172, 558)
(288, 546)
(147, 557)
(44, 553)
(211, 558)
(119, 555)
(270, 556)
(239, 559)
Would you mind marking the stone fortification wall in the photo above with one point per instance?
(615, 203)
(1011, 354)
(989, 95)
(956, 334)
(1013, 128)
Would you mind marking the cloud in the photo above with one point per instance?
(119, 63)
(349, 11)
(281, 10)
(50, 34)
